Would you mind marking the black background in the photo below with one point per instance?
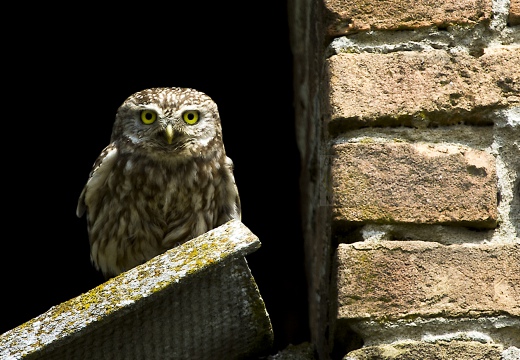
(66, 73)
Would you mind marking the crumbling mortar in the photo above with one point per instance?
(469, 38)
(498, 329)
(498, 140)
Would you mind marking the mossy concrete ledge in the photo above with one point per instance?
(196, 301)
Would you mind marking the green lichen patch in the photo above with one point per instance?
(122, 293)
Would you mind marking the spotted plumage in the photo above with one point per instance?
(163, 179)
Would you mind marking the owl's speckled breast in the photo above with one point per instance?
(175, 193)
(147, 209)
(162, 180)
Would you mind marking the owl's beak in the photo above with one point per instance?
(169, 133)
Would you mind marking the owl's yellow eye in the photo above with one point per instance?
(148, 116)
(190, 116)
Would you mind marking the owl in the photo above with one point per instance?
(163, 179)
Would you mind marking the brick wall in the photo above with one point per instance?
(408, 124)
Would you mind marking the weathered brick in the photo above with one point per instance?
(514, 13)
(395, 182)
(420, 88)
(403, 279)
(413, 350)
(362, 15)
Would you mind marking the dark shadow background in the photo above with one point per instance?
(64, 77)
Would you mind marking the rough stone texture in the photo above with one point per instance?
(303, 351)
(412, 183)
(512, 353)
(307, 45)
(196, 301)
(388, 291)
(501, 329)
(506, 146)
(421, 89)
(383, 42)
(460, 350)
(364, 15)
(514, 13)
(399, 279)
(455, 69)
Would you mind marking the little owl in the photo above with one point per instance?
(163, 179)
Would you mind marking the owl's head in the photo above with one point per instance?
(182, 122)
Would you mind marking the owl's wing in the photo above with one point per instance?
(100, 170)
(237, 211)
